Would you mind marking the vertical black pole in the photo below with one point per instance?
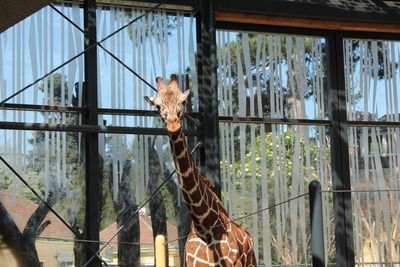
(340, 154)
(92, 174)
(317, 230)
(208, 95)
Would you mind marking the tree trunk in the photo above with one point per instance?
(129, 238)
(22, 245)
(183, 218)
(80, 257)
(156, 203)
(125, 207)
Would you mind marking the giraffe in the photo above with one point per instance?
(215, 240)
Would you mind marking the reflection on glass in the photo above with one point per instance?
(270, 75)
(262, 166)
(157, 45)
(51, 163)
(371, 75)
(35, 46)
(374, 158)
(134, 166)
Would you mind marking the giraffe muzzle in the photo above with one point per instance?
(174, 126)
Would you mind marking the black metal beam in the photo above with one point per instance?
(234, 119)
(208, 95)
(5, 125)
(228, 119)
(340, 154)
(93, 177)
(83, 110)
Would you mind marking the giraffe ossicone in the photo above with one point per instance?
(215, 239)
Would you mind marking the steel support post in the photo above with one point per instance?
(208, 95)
(340, 153)
(92, 174)
(317, 227)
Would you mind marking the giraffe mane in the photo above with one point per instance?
(208, 182)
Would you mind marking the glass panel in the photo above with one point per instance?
(134, 166)
(131, 121)
(375, 161)
(34, 47)
(142, 121)
(371, 75)
(52, 164)
(158, 44)
(263, 166)
(270, 75)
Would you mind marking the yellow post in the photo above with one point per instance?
(160, 251)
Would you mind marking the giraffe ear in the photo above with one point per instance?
(184, 96)
(151, 100)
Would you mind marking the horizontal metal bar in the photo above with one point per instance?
(224, 119)
(84, 110)
(234, 119)
(138, 112)
(128, 112)
(42, 108)
(87, 128)
(384, 124)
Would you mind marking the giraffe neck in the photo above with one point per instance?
(203, 204)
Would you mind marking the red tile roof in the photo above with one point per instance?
(22, 208)
(146, 232)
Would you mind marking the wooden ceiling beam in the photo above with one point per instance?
(311, 23)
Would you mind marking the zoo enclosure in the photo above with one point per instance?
(337, 116)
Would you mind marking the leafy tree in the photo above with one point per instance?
(22, 244)
(281, 246)
(124, 206)
(261, 73)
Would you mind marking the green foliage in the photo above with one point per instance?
(287, 90)
(5, 179)
(279, 151)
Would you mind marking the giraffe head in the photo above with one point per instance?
(170, 102)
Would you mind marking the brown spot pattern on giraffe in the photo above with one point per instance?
(214, 240)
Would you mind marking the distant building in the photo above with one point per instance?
(56, 243)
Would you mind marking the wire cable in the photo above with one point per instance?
(105, 49)
(48, 206)
(360, 191)
(242, 217)
(140, 207)
(117, 58)
(238, 218)
(84, 51)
